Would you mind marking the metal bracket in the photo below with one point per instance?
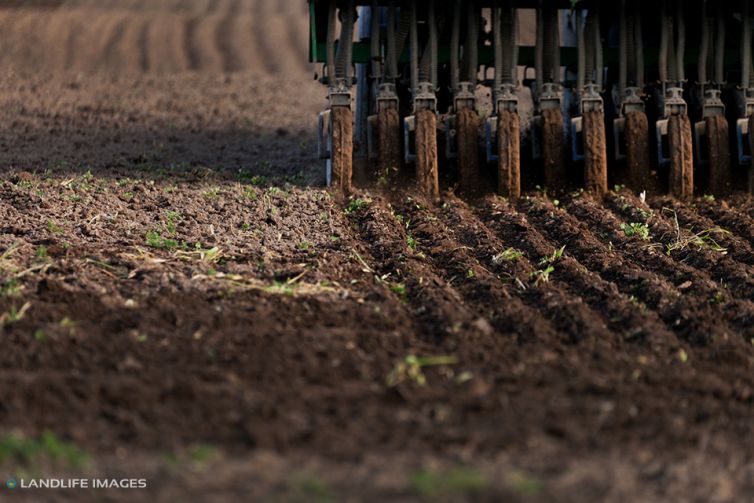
(742, 127)
(409, 139)
(550, 98)
(577, 139)
(324, 142)
(339, 94)
(700, 131)
(425, 98)
(663, 157)
(490, 134)
(590, 101)
(505, 100)
(619, 132)
(631, 102)
(464, 97)
(672, 104)
(387, 99)
(742, 136)
(712, 106)
(324, 126)
(451, 138)
(536, 134)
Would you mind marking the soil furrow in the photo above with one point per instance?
(697, 249)
(689, 305)
(568, 311)
(212, 7)
(143, 45)
(729, 217)
(114, 41)
(298, 33)
(441, 313)
(224, 33)
(70, 45)
(483, 291)
(689, 216)
(266, 54)
(189, 45)
(617, 310)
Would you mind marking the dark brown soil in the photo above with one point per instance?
(181, 300)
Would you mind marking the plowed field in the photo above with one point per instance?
(181, 301)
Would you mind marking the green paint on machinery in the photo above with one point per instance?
(571, 72)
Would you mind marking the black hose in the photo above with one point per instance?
(392, 58)
(455, 47)
(508, 24)
(428, 65)
(582, 67)
(746, 46)
(471, 48)
(632, 58)
(720, 46)
(433, 43)
(539, 48)
(664, 43)
(551, 57)
(497, 37)
(597, 40)
(704, 45)
(374, 41)
(345, 46)
(672, 69)
(404, 28)
(681, 48)
(414, 46)
(589, 54)
(331, 23)
(638, 49)
(624, 27)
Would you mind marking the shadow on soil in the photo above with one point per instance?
(247, 155)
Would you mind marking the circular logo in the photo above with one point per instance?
(11, 483)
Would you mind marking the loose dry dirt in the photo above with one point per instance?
(181, 301)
